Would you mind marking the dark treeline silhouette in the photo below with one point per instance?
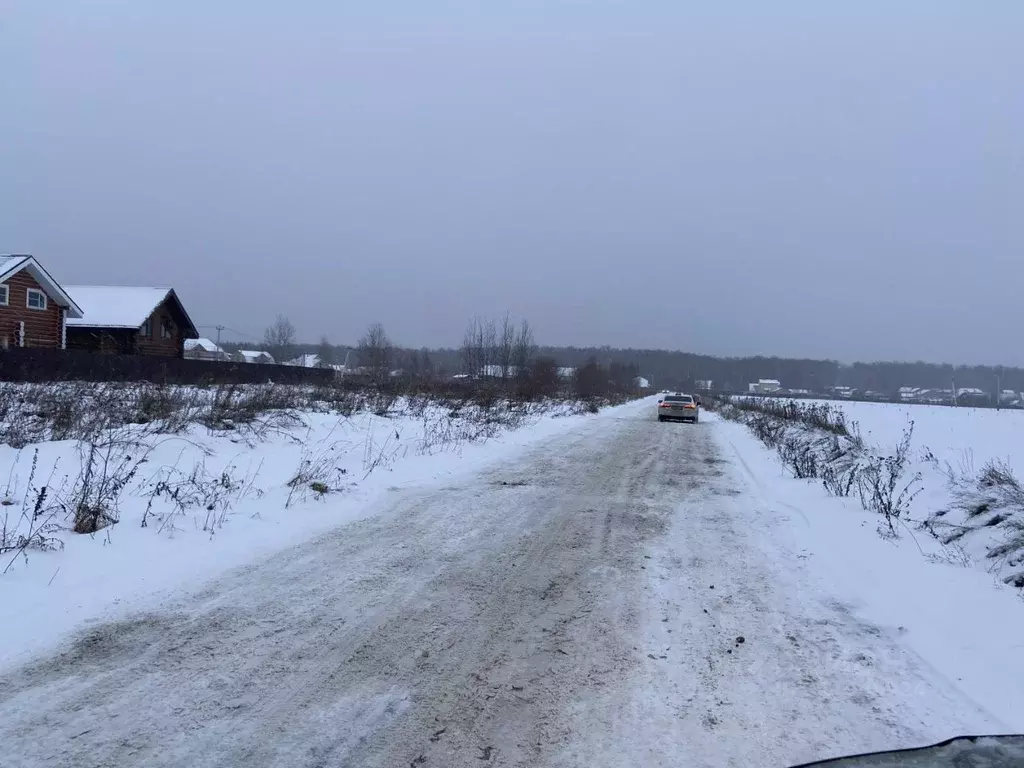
(668, 369)
(672, 369)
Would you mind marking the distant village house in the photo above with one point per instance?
(764, 386)
(255, 356)
(205, 349)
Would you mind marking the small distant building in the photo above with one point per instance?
(566, 372)
(641, 383)
(305, 361)
(764, 386)
(971, 395)
(704, 384)
(910, 393)
(937, 396)
(205, 349)
(498, 371)
(254, 356)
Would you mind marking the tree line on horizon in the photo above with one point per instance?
(512, 347)
(502, 351)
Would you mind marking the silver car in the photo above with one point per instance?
(678, 407)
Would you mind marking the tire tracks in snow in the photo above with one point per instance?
(578, 607)
(457, 627)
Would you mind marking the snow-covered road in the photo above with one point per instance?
(622, 595)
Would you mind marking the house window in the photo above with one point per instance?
(5, 294)
(147, 327)
(35, 299)
(166, 329)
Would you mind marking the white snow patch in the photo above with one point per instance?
(962, 623)
(100, 577)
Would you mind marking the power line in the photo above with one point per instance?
(220, 328)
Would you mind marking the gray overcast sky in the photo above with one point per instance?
(797, 178)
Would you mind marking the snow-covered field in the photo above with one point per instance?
(964, 626)
(956, 443)
(204, 501)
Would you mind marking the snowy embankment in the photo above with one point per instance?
(126, 514)
(953, 473)
(956, 625)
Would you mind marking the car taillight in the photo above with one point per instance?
(665, 405)
(688, 405)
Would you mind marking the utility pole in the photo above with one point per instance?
(219, 329)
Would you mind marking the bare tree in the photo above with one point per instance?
(375, 352)
(279, 338)
(478, 345)
(524, 347)
(543, 379)
(468, 350)
(504, 347)
(325, 352)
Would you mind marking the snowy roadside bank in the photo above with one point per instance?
(949, 474)
(193, 504)
(963, 625)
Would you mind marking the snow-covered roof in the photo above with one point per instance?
(255, 354)
(115, 306)
(11, 265)
(769, 381)
(204, 344)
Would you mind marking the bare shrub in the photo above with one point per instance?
(382, 403)
(987, 499)
(798, 454)
(38, 518)
(883, 484)
(172, 493)
(816, 441)
(107, 469)
(263, 409)
(841, 467)
(337, 398)
(318, 471)
(824, 416)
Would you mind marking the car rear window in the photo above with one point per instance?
(678, 399)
